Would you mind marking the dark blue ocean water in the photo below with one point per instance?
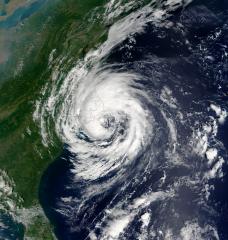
(150, 55)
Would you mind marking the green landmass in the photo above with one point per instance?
(65, 27)
(40, 229)
(59, 26)
(23, 155)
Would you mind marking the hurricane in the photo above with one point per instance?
(139, 125)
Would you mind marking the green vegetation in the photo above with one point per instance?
(22, 154)
(59, 26)
(66, 27)
(40, 229)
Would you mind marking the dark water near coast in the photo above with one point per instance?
(58, 189)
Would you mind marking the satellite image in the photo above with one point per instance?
(113, 119)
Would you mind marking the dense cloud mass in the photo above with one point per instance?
(140, 118)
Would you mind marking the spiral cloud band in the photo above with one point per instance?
(138, 131)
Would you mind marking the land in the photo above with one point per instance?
(59, 25)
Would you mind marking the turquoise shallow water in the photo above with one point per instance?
(21, 14)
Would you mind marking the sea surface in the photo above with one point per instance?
(143, 119)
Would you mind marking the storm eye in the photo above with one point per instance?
(121, 131)
(108, 121)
